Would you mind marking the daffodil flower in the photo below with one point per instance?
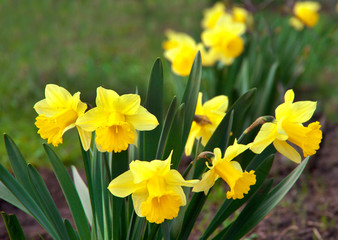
(115, 120)
(288, 127)
(230, 171)
(207, 117)
(224, 40)
(58, 113)
(156, 189)
(305, 13)
(181, 49)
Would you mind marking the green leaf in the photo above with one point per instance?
(254, 212)
(229, 205)
(70, 194)
(8, 196)
(13, 227)
(46, 202)
(240, 108)
(165, 228)
(190, 96)
(265, 100)
(26, 200)
(71, 232)
(18, 163)
(259, 196)
(191, 214)
(166, 127)
(154, 104)
(82, 190)
(174, 141)
(119, 166)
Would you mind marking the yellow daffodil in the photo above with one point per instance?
(156, 189)
(58, 113)
(212, 15)
(181, 49)
(224, 39)
(305, 13)
(288, 126)
(115, 120)
(207, 117)
(230, 171)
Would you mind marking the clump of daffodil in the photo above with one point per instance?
(206, 119)
(115, 120)
(288, 127)
(155, 188)
(230, 171)
(58, 113)
(181, 49)
(224, 39)
(305, 13)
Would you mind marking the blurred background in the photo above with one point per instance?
(81, 45)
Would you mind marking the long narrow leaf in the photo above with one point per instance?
(154, 104)
(13, 227)
(70, 194)
(26, 200)
(46, 202)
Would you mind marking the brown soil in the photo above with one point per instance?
(309, 210)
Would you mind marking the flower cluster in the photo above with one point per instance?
(221, 39)
(115, 118)
(156, 189)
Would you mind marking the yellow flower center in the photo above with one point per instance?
(158, 208)
(307, 16)
(307, 138)
(233, 47)
(239, 182)
(54, 127)
(116, 137)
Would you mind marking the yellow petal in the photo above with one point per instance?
(207, 181)
(236, 165)
(138, 198)
(93, 119)
(191, 138)
(296, 23)
(106, 98)
(57, 96)
(128, 104)
(234, 150)
(266, 135)
(284, 148)
(242, 185)
(302, 111)
(85, 137)
(175, 178)
(218, 103)
(124, 185)
(42, 107)
(142, 120)
(289, 96)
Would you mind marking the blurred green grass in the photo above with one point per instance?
(81, 45)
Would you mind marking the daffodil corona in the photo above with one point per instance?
(230, 171)
(207, 117)
(288, 126)
(156, 189)
(115, 120)
(58, 113)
